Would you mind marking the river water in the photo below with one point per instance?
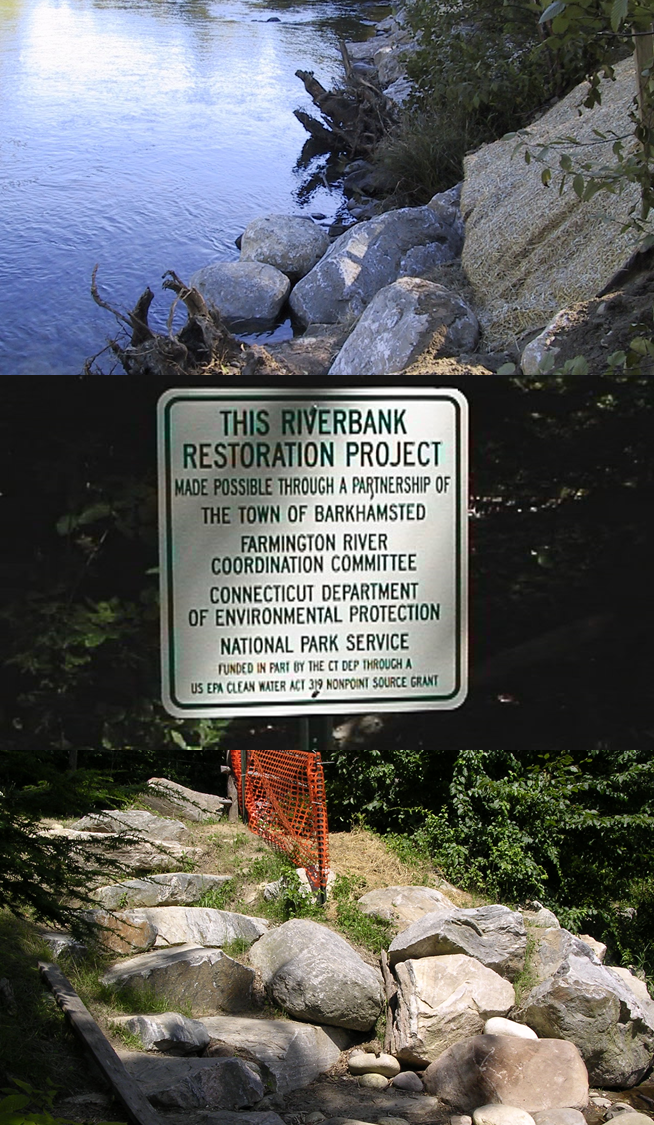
(143, 135)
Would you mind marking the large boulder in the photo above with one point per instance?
(133, 822)
(177, 888)
(181, 925)
(403, 904)
(363, 260)
(201, 980)
(121, 933)
(168, 796)
(289, 1054)
(529, 1074)
(316, 975)
(585, 1002)
(187, 1083)
(248, 294)
(494, 935)
(530, 250)
(405, 320)
(290, 243)
(442, 1000)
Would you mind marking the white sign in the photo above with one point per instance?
(313, 551)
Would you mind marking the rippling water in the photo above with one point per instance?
(143, 135)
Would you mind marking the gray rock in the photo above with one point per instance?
(529, 1074)
(442, 1000)
(494, 935)
(373, 1081)
(197, 925)
(263, 1116)
(501, 1115)
(245, 293)
(554, 946)
(134, 822)
(188, 803)
(176, 888)
(202, 980)
(316, 975)
(312, 354)
(187, 1083)
(290, 1054)
(400, 90)
(559, 1117)
(130, 853)
(362, 261)
(446, 205)
(408, 1080)
(403, 321)
(290, 243)
(403, 904)
(168, 1032)
(586, 1003)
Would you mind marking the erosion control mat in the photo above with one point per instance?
(530, 251)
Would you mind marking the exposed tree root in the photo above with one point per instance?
(203, 346)
(355, 118)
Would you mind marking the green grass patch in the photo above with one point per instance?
(35, 1042)
(363, 929)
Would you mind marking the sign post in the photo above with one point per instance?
(313, 551)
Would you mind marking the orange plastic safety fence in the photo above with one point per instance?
(285, 804)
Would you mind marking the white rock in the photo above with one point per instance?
(559, 1117)
(633, 982)
(542, 351)
(203, 980)
(169, 1032)
(598, 947)
(133, 822)
(442, 1000)
(501, 1115)
(367, 1063)
(181, 925)
(494, 935)
(498, 1025)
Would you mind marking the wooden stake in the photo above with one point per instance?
(128, 1093)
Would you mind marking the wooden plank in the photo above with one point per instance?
(128, 1093)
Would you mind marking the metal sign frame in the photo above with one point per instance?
(397, 457)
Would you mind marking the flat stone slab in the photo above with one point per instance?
(292, 1054)
(175, 888)
(198, 807)
(197, 925)
(168, 1032)
(194, 1083)
(494, 935)
(404, 904)
(134, 822)
(190, 976)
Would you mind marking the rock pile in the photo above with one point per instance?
(457, 1043)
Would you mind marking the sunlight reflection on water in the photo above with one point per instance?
(142, 135)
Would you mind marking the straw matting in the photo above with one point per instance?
(530, 251)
